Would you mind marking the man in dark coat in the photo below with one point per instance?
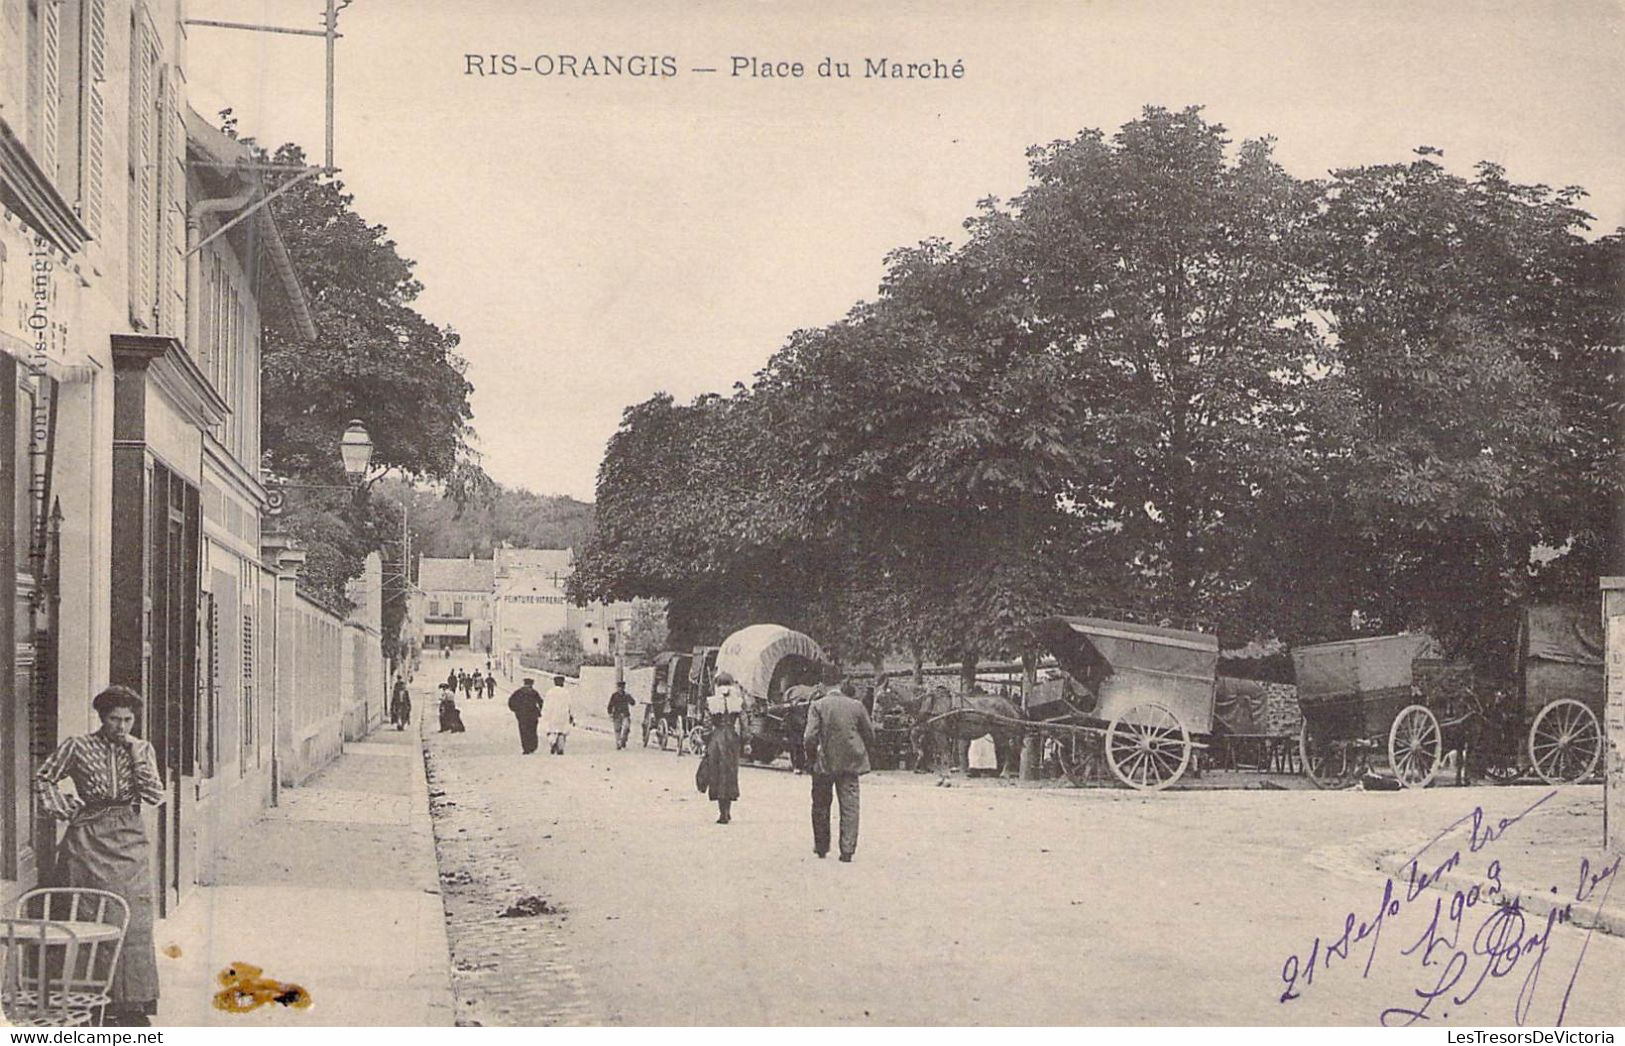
(837, 741)
(526, 706)
(620, 713)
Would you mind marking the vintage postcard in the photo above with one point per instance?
(782, 513)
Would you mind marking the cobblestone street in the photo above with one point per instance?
(987, 904)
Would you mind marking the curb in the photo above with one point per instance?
(1611, 922)
(445, 1005)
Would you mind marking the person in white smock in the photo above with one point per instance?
(983, 758)
(556, 716)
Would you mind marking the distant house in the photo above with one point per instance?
(455, 601)
(508, 602)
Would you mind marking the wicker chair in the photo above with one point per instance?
(61, 975)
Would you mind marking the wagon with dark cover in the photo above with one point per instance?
(1550, 723)
(666, 713)
(1361, 703)
(1138, 695)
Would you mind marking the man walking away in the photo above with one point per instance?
(526, 706)
(837, 741)
(400, 705)
(620, 713)
(556, 717)
(490, 686)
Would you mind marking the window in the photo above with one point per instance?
(44, 80)
(79, 70)
(434, 608)
(457, 610)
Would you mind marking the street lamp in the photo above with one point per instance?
(355, 452)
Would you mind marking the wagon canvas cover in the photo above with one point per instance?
(1129, 663)
(752, 655)
(1561, 651)
(1359, 666)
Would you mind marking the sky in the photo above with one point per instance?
(596, 240)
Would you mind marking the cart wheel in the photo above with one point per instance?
(646, 729)
(1075, 754)
(1327, 763)
(1565, 742)
(1148, 747)
(1415, 746)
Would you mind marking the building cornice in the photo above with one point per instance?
(172, 371)
(229, 468)
(29, 191)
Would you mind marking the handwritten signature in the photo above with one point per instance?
(1478, 935)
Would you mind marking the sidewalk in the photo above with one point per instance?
(336, 890)
(1540, 859)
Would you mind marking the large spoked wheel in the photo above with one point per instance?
(1415, 746)
(1327, 762)
(695, 743)
(647, 726)
(1565, 742)
(1148, 747)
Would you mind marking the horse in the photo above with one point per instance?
(944, 716)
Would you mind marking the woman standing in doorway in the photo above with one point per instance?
(106, 845)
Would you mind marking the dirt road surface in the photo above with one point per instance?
(970, 904)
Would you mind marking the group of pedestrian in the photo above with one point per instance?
(552, 714)
(836, 743)
(472, 684)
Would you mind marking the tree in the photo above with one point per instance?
(562, 650)
(648, 631)
(377, 360)
(1173, 272)
(1448, 434)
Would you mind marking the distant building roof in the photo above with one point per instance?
(534, 561)
(455, 575)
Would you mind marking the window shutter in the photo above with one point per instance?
(143, 171)
(248, 683)
(93, 114)
(171, 185)
(50, 82)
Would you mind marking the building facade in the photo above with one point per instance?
(507, 603)
(129, 443)
(454, 599)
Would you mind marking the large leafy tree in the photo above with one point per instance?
(1172, 270)
(375, 359)
(1451, 438)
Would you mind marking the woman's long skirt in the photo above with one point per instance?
(722, 753)
(107, 849)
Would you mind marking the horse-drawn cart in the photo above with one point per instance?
(1360, 701)
(767, 663)
(1552, 724)
(1139, 696)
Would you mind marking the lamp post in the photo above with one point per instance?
(623, 628)
(355, 452)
